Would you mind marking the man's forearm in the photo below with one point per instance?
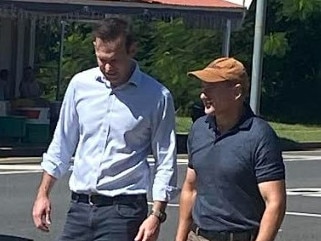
(185, 214)
(46, 184)
(271, 222)
(159, 205)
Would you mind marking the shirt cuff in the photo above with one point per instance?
(54, 168)
(165, 194)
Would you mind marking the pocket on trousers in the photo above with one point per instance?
(72, 207)
(132, 210)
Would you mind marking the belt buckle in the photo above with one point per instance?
(90, 200)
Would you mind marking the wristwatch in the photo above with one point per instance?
(159, 214)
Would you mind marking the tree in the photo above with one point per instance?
(169, 49)
(291, 73)
(176, 51)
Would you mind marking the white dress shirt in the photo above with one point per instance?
(113, 130)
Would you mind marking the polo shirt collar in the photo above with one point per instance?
(244, 123)
(246, 120)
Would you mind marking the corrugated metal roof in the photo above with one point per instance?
(198, 3)
(196, 13)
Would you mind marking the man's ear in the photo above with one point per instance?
(132, 50)
(238, 91)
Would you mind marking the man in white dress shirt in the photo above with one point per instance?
(112, 116)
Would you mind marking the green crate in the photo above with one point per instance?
(12, 127)
(37, 133)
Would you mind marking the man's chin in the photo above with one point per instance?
(209, 111)
(115, 81)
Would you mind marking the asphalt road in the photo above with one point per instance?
(19, 180)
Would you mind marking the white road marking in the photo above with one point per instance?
(19, 172)
(291, 158)
(179, 160)
(7, 169)
(34, 166)
(305, 192)
(288, 156)
(168, 205)
(20, 167)
(313, 215)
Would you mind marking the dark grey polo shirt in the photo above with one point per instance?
(228, 169)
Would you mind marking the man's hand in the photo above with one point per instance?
(149, 229)
(41, 213)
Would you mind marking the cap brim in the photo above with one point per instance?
(207, 75)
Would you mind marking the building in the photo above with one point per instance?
(18, 19)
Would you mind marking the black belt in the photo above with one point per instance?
(101, 200)
(224, 236)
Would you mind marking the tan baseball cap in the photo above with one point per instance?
(223, 69)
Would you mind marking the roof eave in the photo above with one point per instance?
(82, 10)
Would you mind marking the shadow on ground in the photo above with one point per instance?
(290, 145)
(286, 145)
(13, 238)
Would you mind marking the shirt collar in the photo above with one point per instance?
(134, 79)
(246, 119)
(136, 76)
(244, 123)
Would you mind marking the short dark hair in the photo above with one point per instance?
(111, 29)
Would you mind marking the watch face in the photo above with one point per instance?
(160, 215)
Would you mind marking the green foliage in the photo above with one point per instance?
(168, 50)
(77, 54)
(291, 73)
(294, 132)
(276, 44)
(300, 9)
(47, 42)
(176, 51)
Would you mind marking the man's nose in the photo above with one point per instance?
(108, 67)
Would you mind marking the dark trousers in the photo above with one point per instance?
(87, 222)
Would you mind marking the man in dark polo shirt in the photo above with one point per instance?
(234, 188)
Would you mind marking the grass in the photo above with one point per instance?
(294, 132)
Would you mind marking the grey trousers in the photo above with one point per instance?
(117, 222)
(193, 237)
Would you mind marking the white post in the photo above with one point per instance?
(257, 59)
(19, 57)
(227, 38)
(32, 42)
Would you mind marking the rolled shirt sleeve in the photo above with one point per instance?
(56, 161)
(164, 150)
